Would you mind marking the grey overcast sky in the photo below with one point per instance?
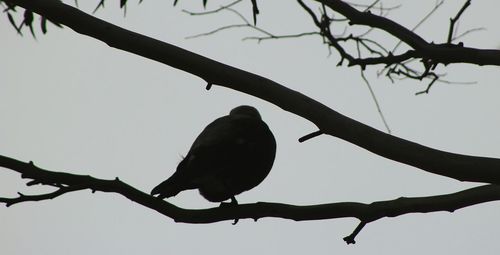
(71, 103)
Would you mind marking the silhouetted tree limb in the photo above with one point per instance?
(395, 65)
(366, 213)
(455, 19)
(457, 166)
(245, 23)
(444, 53)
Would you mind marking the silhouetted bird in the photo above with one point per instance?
(231, 155)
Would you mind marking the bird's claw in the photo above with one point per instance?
(233, 203)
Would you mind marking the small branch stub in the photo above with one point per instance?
(310, 136)
(350, 238)
(209, 86)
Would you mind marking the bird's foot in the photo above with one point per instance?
(233, 203)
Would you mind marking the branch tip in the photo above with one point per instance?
(310, 136)
(209, 86)
(350, 239)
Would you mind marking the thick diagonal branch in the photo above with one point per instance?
(460, 167)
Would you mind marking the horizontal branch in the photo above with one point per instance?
(386, 60)
(364, 212)
(460, 167)
(34, 198)
(445, 53)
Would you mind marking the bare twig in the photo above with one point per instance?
(221, 8)
(217, 30)
(246, 23)
(98, 6)
(439, 53)
(374, 98)
(35, 198)
(350, 238)
(366, 213)
(310, 12)
(269, 37)
(422, 21)
(426, 91)
(467, 32)
(373, 6)
(455, 19)
(372, 93)
(310, 136)
(255, 11)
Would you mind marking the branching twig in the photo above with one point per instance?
(217, 30)
(377, 54)
(221, 8)
(35, 198)
(439, 53)
(269, 37)
(457, 166)
(374, 98)
(426, 91)
(366, 213)
(246, 23)
(373, 6)
(472, 30)
(455, 19)
(372, 93)
(422, 21)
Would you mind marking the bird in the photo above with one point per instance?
(233, 154)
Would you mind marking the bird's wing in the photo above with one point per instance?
(221, 132)
(222, 144)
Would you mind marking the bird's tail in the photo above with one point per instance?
(167, 188)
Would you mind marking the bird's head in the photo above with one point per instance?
(245, 110)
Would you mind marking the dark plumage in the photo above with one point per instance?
(231, 155)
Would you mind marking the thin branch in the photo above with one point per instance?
(366, 213)
(237, 13)
(35, 198)
(99, 5)
(467, 32)
(310, 136)
(350, 238)
(422, 21)
(273, 37)
(255, 11)
(369, 7)
(373, 6)
(374, 48)
(221, 8)
(217, 30)
(246, 23)
(375, 100)
(439, 53)
(310, 12)
(372, 93)
(426, 91)
(440, 80)
(455, 19)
